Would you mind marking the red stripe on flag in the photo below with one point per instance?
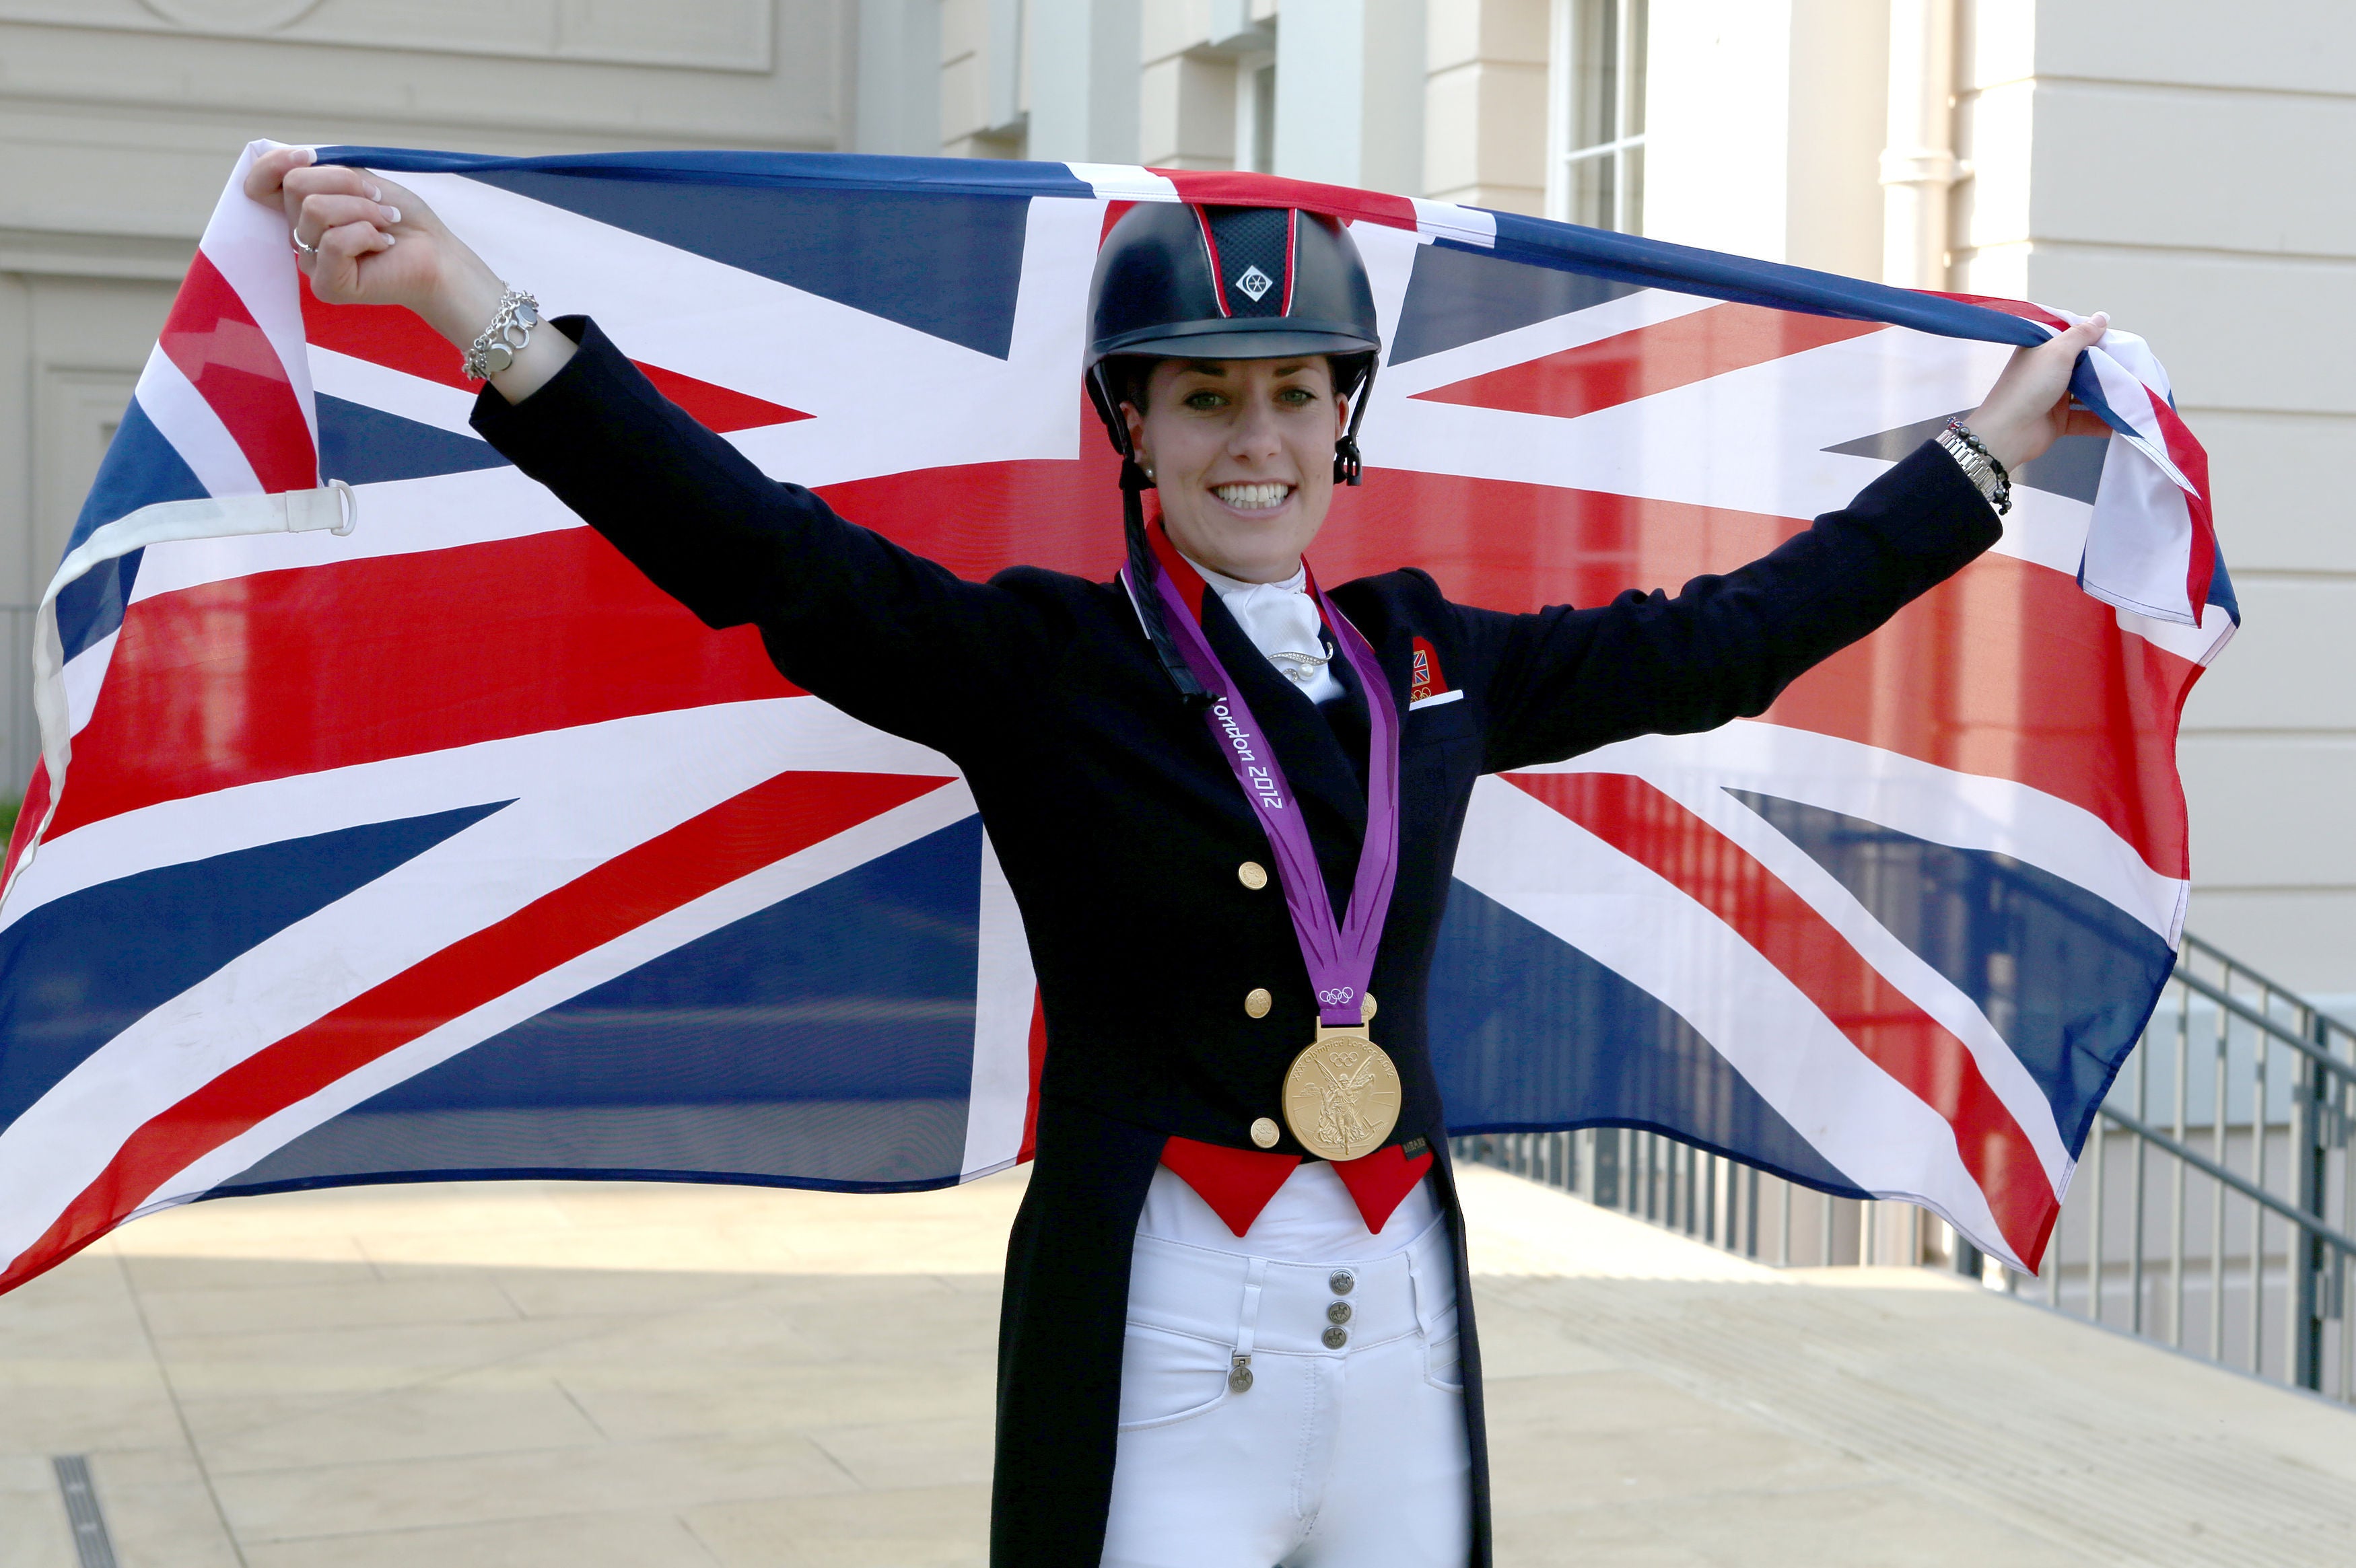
(977, 519)
(2028, 309)
(2192, 459)
(386, 334)
(289, 672)
(762, 825)
(1895, 1035)
(29, 817)
(1038, 1045)
(231, 361)
(2005, 670)
(1657, 358)
(718, 409)
(399, 340)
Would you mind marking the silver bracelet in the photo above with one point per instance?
(502, 341)
(1979, 463)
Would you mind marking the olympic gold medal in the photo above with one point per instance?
(1341, 1094)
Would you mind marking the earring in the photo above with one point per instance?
(1149, 473)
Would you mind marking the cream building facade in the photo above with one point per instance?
(2156, 158)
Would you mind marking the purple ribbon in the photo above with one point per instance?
(1340, 957)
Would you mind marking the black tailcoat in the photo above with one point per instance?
(1121, 827)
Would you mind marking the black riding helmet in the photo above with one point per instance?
(1179, 282)
(1176, 281)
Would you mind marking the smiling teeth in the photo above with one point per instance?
(1252, 497)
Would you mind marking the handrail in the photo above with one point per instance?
(2211, 950)
(2256, 1019)
(2255, 1194)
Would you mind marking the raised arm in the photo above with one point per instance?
(1567, 680)
(892, 637)
(362, 239)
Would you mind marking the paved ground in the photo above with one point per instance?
(587, 1376)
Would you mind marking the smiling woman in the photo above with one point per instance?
(1238, 1328)
(1241, 453)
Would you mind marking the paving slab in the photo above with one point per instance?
(515, 1375)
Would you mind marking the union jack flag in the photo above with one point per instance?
(394, 829)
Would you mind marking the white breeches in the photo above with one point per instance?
(1333, 1456)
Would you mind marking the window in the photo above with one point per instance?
(1597, 73)
(1256, 111)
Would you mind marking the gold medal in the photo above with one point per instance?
(1341, 1094)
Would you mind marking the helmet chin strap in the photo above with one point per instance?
(1346, 461)
(1144, 576)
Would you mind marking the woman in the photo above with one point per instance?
(1236, 1332)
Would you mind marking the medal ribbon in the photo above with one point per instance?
(1340, 955)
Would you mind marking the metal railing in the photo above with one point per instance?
(2213, 1209)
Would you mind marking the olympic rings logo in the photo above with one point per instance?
(1337, 996)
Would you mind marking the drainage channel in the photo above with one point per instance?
(95, 1549)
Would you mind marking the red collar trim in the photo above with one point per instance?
(1239, 1183)
(1189, 583)
(1177, 568)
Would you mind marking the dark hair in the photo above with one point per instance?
(1130, 374)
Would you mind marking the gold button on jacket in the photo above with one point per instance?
(1257, 1001)
(1252, 874)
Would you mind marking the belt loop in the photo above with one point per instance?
(1424, 1291)
(1249, 1326)
(1239, 1372)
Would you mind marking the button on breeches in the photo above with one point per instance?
(1285, 1415)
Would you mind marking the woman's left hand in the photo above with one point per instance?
(2028, 409)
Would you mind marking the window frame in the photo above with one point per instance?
(1563, 106)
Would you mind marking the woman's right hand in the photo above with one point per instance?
(380, 244)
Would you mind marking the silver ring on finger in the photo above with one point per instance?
(308, 253)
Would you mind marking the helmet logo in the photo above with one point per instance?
(1256, 284)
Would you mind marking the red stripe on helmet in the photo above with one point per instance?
(1292, 255)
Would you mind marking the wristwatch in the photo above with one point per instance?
(1979, 463)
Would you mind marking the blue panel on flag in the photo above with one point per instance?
(140, 469)
(825, 1042)
(361, 446)
(2221, 591)
(90, 608)
(1458, 296)
(2067, 977)
(80, 969)
(889, 253)
(1530, 1034)
(2072, 466)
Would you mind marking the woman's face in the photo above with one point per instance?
(1242, 452)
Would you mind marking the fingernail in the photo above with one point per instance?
(393, 240)
(393, 215)
(374, 194)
